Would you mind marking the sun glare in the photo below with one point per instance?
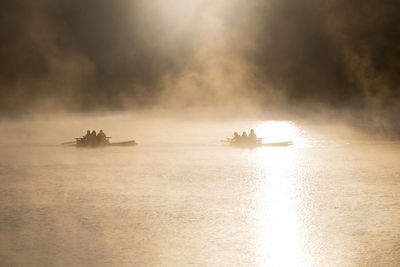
(279, 131)
(280, 236)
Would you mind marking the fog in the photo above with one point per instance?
(72, 56)
(196, 126)
(181, 197)
(179, 77)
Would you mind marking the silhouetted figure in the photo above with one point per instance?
(243, 138)
(87, 136)
(236, 137)
(93, 138)
(252, 136)
(101, 137)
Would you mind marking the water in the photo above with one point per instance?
(182, 198)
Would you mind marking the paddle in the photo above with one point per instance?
(69, 143)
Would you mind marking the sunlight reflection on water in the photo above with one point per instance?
(279, 232)
(182, 198)
(281, 131)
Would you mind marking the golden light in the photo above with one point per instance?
(186, 13)
(179, 10)
(277, 209)
(279, 131)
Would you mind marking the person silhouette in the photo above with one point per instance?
(101, 137)
(93, 139)
(87, 136)
(236, 137)
(243, 138)
(252, 136)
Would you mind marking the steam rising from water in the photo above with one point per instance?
(182, 197)
(98, 55)
(190, 73)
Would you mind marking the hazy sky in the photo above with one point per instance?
(101, 54)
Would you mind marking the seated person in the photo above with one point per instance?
(236, 137)
(87, 136)
(244, 138)
(101, 137)
(252, 136)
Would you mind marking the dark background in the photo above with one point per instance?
(88, 55)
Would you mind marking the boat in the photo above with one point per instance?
(125, 143)
(257, 143)
(286, 143)
(82, 142)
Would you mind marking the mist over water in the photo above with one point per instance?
(178, 77)
(72, 56)
(182, 198)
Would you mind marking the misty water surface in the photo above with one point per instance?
(183, 198)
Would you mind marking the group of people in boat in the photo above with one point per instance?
(93, 139)
(251, 138)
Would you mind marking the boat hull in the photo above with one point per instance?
(289, 143)
(126, 143)
(105, 144)
(259, 144)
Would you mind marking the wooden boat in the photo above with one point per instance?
(125, 143)
(286, 143)
(81, 142)
(256, 143)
